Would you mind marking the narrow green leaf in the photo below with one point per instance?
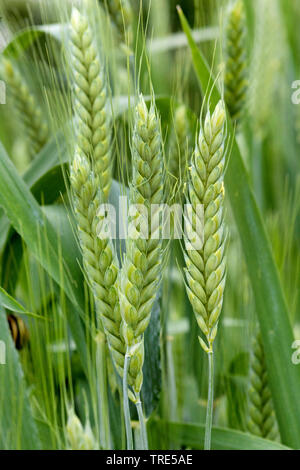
(178, 40)
(270, 302)
(152, 365)
(8, 302)
(192, 435)
(18, 429)
(24, 40)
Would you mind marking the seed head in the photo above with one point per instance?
(205, 266)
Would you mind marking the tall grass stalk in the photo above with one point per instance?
(126, 403)
(142, 422)
(210, 401)
(105, 439)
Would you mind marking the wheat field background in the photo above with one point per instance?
(189, 340)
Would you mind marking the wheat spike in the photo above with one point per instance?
(79, 437)
(236, 75)
(262, 420)
(121, 14)
(90, 101)
(99, 257)
(205, 267)
(30, 115)
(141, 271)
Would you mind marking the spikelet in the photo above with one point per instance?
(90, 101)
(236, 81)
(29, 113)
(120, 12)
(79, 437)
(262, 420)
(179, 151)
(141, 272)
(205, 267)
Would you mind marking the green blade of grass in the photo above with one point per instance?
(178, 40)
(23, 41)
(270, 302)
(192, 435)
(8, 302)
(18, 429)
(152, 365)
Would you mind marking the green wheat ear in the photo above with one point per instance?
(262, 420)
(99, 258)
(236, 74)
(79, 437)
(90, 101)
(30, 114)
(205, 267)
(141, 272)
(120, 12)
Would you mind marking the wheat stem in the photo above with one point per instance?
(103, 403)
(210, 402)
(142, 422)
(126, 403)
